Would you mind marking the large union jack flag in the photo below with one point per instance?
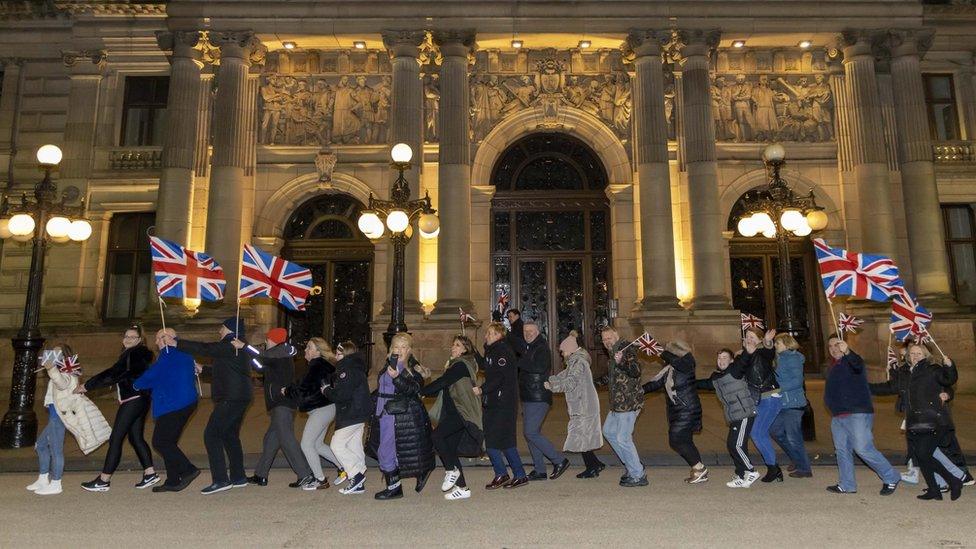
(184, 273)
(909, 318)
(264, 275)
(873, 277)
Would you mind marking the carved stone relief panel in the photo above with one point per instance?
(505, 83)
(763, 96)
(325, 98)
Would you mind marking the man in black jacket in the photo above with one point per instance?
(277, 364)
(516, 332)
(231, 394)
(535, 366)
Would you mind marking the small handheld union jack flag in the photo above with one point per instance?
(184, 273)
(750, 321)
(648, 345)
(873, 277)
(909, 318)
(849, 323)
(69, 365)
(892, 358)
(265, 275)
(465, 317)
(503, 301)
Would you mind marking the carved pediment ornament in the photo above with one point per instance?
(96, 57)
(325, 163)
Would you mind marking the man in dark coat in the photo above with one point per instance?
(499, 395)
(231, 393)
(535, 366)
(516, 332)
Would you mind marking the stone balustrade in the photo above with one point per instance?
(135, 158)
(951, 152)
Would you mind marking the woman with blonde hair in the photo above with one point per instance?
(400, 430)
(321, 411)
(787, 427)
(683, 406)
(584, 433)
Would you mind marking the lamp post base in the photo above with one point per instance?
(19, 426)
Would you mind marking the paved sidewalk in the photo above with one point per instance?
(650, 435)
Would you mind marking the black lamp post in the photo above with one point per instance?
(397, 215)
(42, 218)
(779, 214)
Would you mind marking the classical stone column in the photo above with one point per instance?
(653, 171)
(965, 80)
(867, 144)
(85, 69)
(12, 70)
(694, 48)
(407, 126)
(453, 176)
(923, 217)
(175, 196)
(228, 175)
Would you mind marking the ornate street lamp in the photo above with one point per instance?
(397, 214)
(42, 218)
(780, 213)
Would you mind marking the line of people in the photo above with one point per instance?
(760, 388)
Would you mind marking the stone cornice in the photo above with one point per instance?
(113, 8)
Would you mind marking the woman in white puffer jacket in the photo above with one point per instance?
(66, 410)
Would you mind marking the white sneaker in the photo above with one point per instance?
(910, 476)
(458, 493)
(53, 488)
(737, 482)
(41, 482)
(752, 476)
(450, 479)
(340, 478)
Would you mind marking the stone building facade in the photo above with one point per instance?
(587, 165)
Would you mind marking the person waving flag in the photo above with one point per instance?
(265, 275)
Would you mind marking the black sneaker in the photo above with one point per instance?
(631, 482)
(536, 475)
(97, 485)
(836, 489)
(968, 480)
(559, 469)
(188, 479)
(257, 481)
(148, 480)
(888, 489)
(239, 483)
(216, 487)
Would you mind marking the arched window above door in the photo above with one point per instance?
(549, 162)
(325, 217)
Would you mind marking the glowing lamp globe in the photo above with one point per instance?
(80, 230)
(791, 219)
(58, 227)
(774, 153)
(49, 155)
(5, 228)
(21, 225)
(746, 227)
(763, 222)
(60, 239)
(401, 153)
(367, 222)
(816, 219)
(769, 232)
(23, 237)
(429, 225)
(397, 221)
(803, 229)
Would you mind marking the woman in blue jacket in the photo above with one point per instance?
(786, 429)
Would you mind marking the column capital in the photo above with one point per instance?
(646, 42)
(82, 62)
(185, 44)
(692, 42)
(242, 44)
(907, 42)
(455, 43)
(857, 42)
(403, 43)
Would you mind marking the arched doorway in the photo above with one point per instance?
(755, 281)
(550, 239)
(322, 235)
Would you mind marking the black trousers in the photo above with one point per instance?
(738, 445)
(165, 440)
(682, 441)
(590, 460)
(446, 438)
(223, 435)
(130, 422)
(923, 445)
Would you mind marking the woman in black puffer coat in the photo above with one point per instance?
(684, 407)
(399, 434)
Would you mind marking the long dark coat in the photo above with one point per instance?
(414, 448)
(499, 395)
(683, 405)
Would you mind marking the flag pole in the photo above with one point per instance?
(833, 317)
(936, 345)
(162, 317)
(888, 370)
(237, 315)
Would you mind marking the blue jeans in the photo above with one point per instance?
(618, 429)
(787, 430)
(768, 409)
(949, 465)
(533, 414)
(853, 435)
(50, 446)
(498, 458)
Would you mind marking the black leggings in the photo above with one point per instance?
(446, 438)
(738, 445)
(590, 460)
(130, 421)
(682, 441)
(923, 445)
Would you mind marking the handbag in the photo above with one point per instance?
(396, 406)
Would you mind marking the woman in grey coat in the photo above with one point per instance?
(585, 433)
